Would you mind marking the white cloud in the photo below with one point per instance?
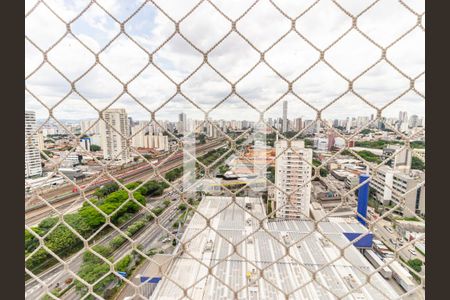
(263, 25)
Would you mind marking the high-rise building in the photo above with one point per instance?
(86, 127)
(309, 126)
(348, 124)
(400, 161)
(40, 141)
(211, 131)
(403, 116)
(144, 138)
(159, 142)
(291, 172)
(33, 165)
(331, 140)
(285, 120)
(139, 132)
(414, 121)
(317, 126)
(298, 124)
(182, 123)
(130, 124)
(395, 186)
(402, 126)
(361, 121)
(112, 134)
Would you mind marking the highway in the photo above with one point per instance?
(71, 200)
(389, 236)
(32, 287)
(145, 236)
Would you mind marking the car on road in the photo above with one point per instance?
(389, 229)
(412, 251)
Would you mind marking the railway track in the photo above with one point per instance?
(34, 214)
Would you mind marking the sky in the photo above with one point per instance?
(261, 89)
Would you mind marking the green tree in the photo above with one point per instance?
(415, 264)
(418, 144)
(117, 241)
(323, 171)
(309, 143)
(31, 242)
(122, 265)
(369, 156)
(61, 240)
(271, 173)
(85, 221)
(94, 148)
(157, 210)
(417, 164)
(48, 223)
(365, 131)
(107, 189)
(174, 174)
(104, 251)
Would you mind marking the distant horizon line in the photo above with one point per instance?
(142, 120)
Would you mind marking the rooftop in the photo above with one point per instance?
(265, 250)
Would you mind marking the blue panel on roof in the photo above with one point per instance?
(364, 242)
(150, 280)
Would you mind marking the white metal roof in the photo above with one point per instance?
(265, 250)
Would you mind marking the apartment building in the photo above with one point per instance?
(390, 186)
(291, 172)
(400, 161)
(113, 134)
(142, 138)
(33, 165)
(285, 119)
(139, 133)
(321, 144)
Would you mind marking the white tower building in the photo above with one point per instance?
(285, 121)
(112, 142)
(33, 165)
(291, 172)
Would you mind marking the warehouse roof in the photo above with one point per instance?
(265, 250)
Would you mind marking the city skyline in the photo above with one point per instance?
(259, 150)
(233, 118)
